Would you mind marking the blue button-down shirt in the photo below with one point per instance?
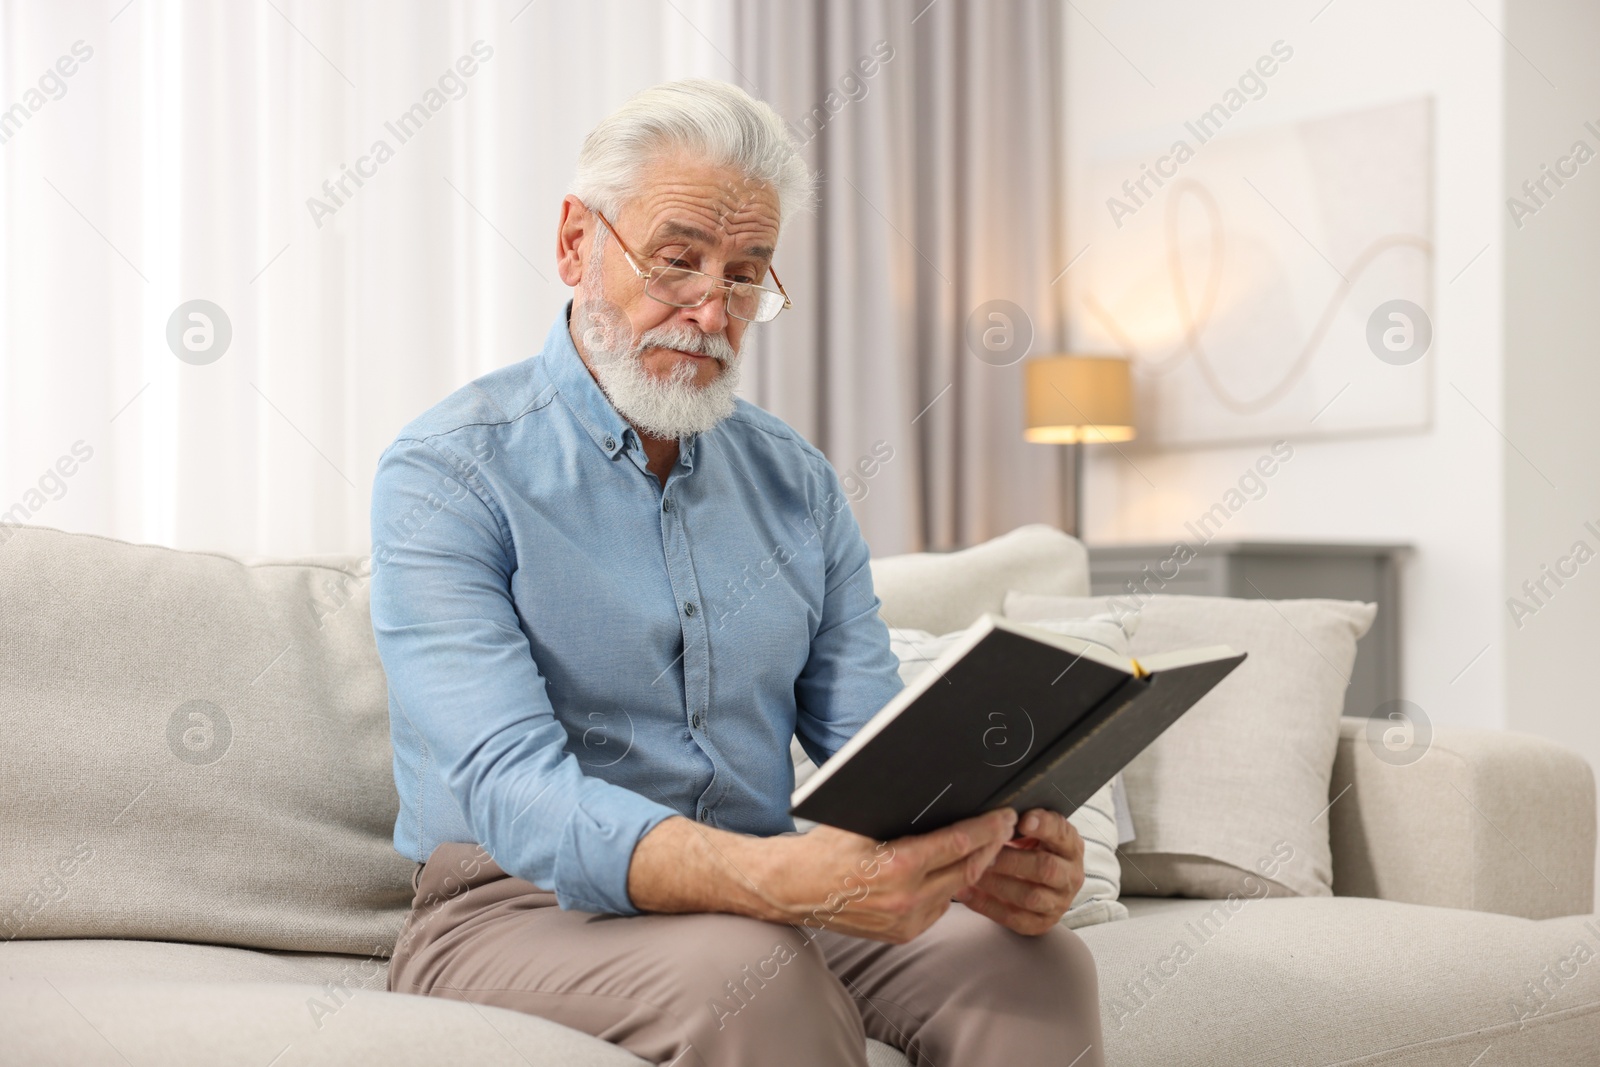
(575, 652)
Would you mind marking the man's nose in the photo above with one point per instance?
(712, 316)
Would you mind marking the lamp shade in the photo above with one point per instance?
(1071, 399)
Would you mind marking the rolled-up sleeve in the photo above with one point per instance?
(852, 670)
(461, 672)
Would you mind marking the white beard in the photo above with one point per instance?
(666, 407)
(670, 406)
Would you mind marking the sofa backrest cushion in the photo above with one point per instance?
(195, 748)
(944, 591)
(1232, 797)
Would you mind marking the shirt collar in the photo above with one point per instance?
(589, 404)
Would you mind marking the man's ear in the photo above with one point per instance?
(573, 239)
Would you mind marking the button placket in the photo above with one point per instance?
(696, 666)
(673, 548)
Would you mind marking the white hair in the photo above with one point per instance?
(718, 122)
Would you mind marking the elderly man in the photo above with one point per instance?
(592, 704)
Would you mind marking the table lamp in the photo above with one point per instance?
(1076, 400)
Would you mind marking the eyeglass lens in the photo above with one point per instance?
(687, 288)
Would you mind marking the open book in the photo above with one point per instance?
(1011, 715)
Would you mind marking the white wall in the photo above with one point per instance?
(1552, 372)
(1487, 496)
(1440, 490)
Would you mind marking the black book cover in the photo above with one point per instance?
(1012, 715)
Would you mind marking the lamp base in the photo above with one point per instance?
(1072, 490)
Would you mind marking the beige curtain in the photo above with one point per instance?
(937, 133)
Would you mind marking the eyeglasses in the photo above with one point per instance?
(684, 288)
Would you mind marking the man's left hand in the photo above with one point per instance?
(1035, 877)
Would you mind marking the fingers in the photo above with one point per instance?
(1008, 915)
(1035, 865)
(922, 873)
(1049, 901)
(1039, 881)
(981, 860)
(1053, 830)
(939, 849)
(945, 882)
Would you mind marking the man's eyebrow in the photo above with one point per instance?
(671, 229)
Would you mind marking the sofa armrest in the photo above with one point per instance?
(1486, 820)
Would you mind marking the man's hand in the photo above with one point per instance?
(885, 891)
(824, 879)
(1034, 878)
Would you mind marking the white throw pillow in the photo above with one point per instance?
(1237, 788)
(1097, 820)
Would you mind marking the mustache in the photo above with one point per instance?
(688, 339)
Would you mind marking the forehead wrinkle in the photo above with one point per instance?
(715, 188)
(712, 199)
(729, 218)
(744, 225)
(672, 228)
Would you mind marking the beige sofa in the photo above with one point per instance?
(195, 865)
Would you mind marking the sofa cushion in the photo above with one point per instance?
(1286, 982)
(91, 960)
(1344, 980)
(1238, 786)
(200, 1024)
(196, 749)
(944, 591)
(70, 963)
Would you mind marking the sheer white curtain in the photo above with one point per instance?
(175, 163)
(938, 133)
(180, 159)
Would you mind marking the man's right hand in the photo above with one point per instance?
(824, 879)
(885, 891)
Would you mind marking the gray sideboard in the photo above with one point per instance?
(1284, 570)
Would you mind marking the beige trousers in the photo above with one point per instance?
(710, 990)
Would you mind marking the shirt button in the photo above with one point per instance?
(697, 720)
(610, 442)
(689, 608)
(705, 816)
(666, 504)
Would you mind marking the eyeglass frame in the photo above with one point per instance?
(716, 283)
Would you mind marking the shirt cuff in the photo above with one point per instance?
(597, 849)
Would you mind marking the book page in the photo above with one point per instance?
(1166, 661)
